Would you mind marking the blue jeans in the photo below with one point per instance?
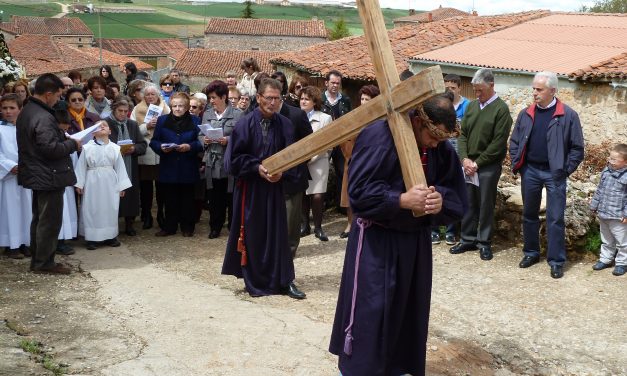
(533, 180)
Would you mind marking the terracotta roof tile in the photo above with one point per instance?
(569, 42)
(144, 47)
(212, 63)
(350, 55)
(613, 68)
(258, 26)
(436, 14)
(40, 54)
(45, 25)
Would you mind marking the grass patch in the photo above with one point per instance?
(593, 240)
(132, 25)
(47, 361)
(30, 346)
(27, 9)
(49, 364)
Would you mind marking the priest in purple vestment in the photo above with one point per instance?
(382, 314)
(258, 249)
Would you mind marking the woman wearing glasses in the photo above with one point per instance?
(81, 118)
(149, 162)
(293, 91)
(167, 87)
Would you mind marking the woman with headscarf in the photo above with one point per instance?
(122, 128)
(96, 101)
(149, 162)
(80, 118)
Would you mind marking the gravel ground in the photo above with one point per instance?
(161, 307)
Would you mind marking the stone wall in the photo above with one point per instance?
(256, 42)
(76, 40)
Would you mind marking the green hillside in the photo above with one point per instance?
(183, 19)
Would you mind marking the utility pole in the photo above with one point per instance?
(100, 37)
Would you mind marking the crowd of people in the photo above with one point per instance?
(76, 156)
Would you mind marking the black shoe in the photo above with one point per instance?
(214, 234)
(557, 271)
(600, 265)
(462, 247)
(450, 239)
(527, 261)
(91, 246)
(319, 233)
(435, 238)
(293, 292)
(130, 231)
(619, 270)
(25, 250)
(344, 235)
(304, 230)
(147, 222)
(112, 242)
(64, 249)
(160, 219)
(14, 254)
(485, 253)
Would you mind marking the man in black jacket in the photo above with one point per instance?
(45, 167)
(294, 190)
(175, 75)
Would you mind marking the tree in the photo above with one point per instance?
(248, 11)
(606, 6)
(339, 30)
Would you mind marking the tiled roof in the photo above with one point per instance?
(41, 54)
(47, 26)
(212, 63)
(436, 15)
(259, 26)
(613, 68)
(144, 47)
(350, 55)
(562, 42)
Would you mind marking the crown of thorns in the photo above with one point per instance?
(433, 129)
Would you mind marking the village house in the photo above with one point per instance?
(430, 16)
(263, 34)
(161, 53)
(586, 50)
(350, 55)
(201, 66)
(40, 54)
(70, 30)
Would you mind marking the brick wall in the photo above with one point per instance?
(263, 43)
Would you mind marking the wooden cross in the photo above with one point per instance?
(395, 100)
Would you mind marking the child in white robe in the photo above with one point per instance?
(15, 201)
(69, 227)
(101, 180)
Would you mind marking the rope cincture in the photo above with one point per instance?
(348, 340)
(241, 245)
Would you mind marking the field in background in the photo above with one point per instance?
(183, 19)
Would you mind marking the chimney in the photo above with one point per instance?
(430, 17)
(474, 13)
(412, 12)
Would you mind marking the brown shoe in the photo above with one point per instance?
(56, 269)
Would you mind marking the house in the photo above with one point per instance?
(159, 52)
(71, 30)
(263, 34)
(40, 54)
(430, 16)
(350, 55)
(201, 66)
(586, 50)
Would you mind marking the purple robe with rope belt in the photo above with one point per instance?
(270, 266)
(381, 326)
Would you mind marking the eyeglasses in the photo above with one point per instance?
(75, 100)
(270, 99)
(166, 84)
(244, 99)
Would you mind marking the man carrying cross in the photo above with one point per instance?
(382, 312)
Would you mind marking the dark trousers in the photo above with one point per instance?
(219, 198)
(533, 180)
(146, 193)
(338, 165)
(477, 224)
(178, 202)
(45, 227)
(294, 206)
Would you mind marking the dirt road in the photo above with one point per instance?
(155, 307)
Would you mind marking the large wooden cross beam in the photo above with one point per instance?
(395, 100)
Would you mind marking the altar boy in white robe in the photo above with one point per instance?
(69, 228)
(101, 180)
(15, 201)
